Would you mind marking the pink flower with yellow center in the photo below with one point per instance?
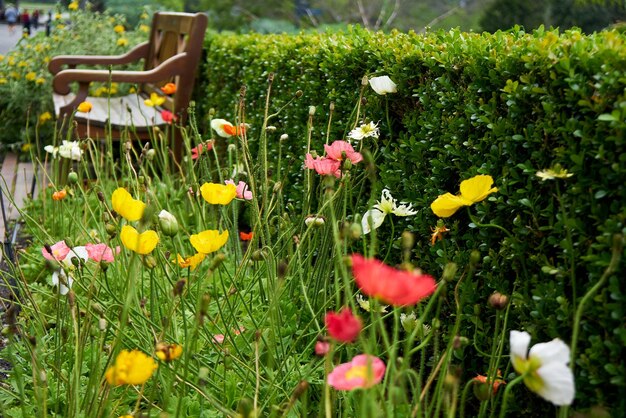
(341, 150)
(364, 371)
(59, 251)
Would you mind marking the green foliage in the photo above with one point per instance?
(506, 104)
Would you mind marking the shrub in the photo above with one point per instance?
(505, 104)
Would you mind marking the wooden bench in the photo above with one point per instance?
(171, 55)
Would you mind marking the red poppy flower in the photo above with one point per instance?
(395, 287)
(167, 116)
(323, 166)
(343, 326)
(196, 151)
(169, 88)
(246, 236)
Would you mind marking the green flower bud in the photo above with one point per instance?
(72, 177)
(168, 223)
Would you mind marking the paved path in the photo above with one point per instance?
(7, 40)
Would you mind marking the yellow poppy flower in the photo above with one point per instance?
(168, 352)
(73, 5)
(124, 204)
(122, 42)
(84, 107)
(154, 100)
(119, 29)
(44, 117)
(473, 191)
(208, 241)
(31, 76)
(192, 261)
(131, 368)
(218, 194)
(142, 243)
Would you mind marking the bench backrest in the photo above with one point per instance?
(172, 34)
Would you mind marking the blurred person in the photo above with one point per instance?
(11, 16)
(25, 18)
(35, 19)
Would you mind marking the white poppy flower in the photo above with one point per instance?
(70, 150)
(385, 206)
(383, 85)
(64, 281)
(364, 131)
(544, 367)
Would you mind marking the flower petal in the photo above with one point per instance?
(519, 341)
(555, 351)
(142, 243)
(209, 241)
(373, 217)
(447, 204)
(477, 188)
(124, 204)
(558, 380)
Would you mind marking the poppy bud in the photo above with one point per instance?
(270, 128)
(283, 137)
(498, 301)
(101, 197)
(449, 272)
(150, 262)
(43, 377)
(311, 110)
(299, 93)
(150, 154)
(407, 240)
(97, 308)
(217, 261)
(168, 223)
(179, 287)
(356, 230)
(102, 324)
(72, 177)
(364, 81)
(111, 230)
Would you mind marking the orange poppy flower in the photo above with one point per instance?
(246, 236)
(169, 88)
(60, 195)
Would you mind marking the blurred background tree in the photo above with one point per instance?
(419, 15)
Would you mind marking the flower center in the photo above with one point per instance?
(357, 372)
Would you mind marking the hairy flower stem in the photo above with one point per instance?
(507, 392)
(570, 243)
(618, 244)
(466, 389)
(492, 360)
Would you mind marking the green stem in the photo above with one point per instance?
(507, 391)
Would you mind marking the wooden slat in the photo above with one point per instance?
(16, 183)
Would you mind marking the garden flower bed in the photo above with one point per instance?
(436, 229)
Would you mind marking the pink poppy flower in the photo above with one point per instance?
(196, 151)
(167, 116)
(242, 190)
(59, 251)
(340, 149)
(395, 287)
(218, 338)
(101, 252)
(322, 348)
(364, 371)
(343, 326)
(323, 166)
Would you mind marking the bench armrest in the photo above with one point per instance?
(168, 68)
(56, 64)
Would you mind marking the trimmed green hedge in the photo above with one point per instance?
(504, 104)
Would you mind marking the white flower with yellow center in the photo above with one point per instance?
(374, 217)
(364, 131)
(544, 368)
